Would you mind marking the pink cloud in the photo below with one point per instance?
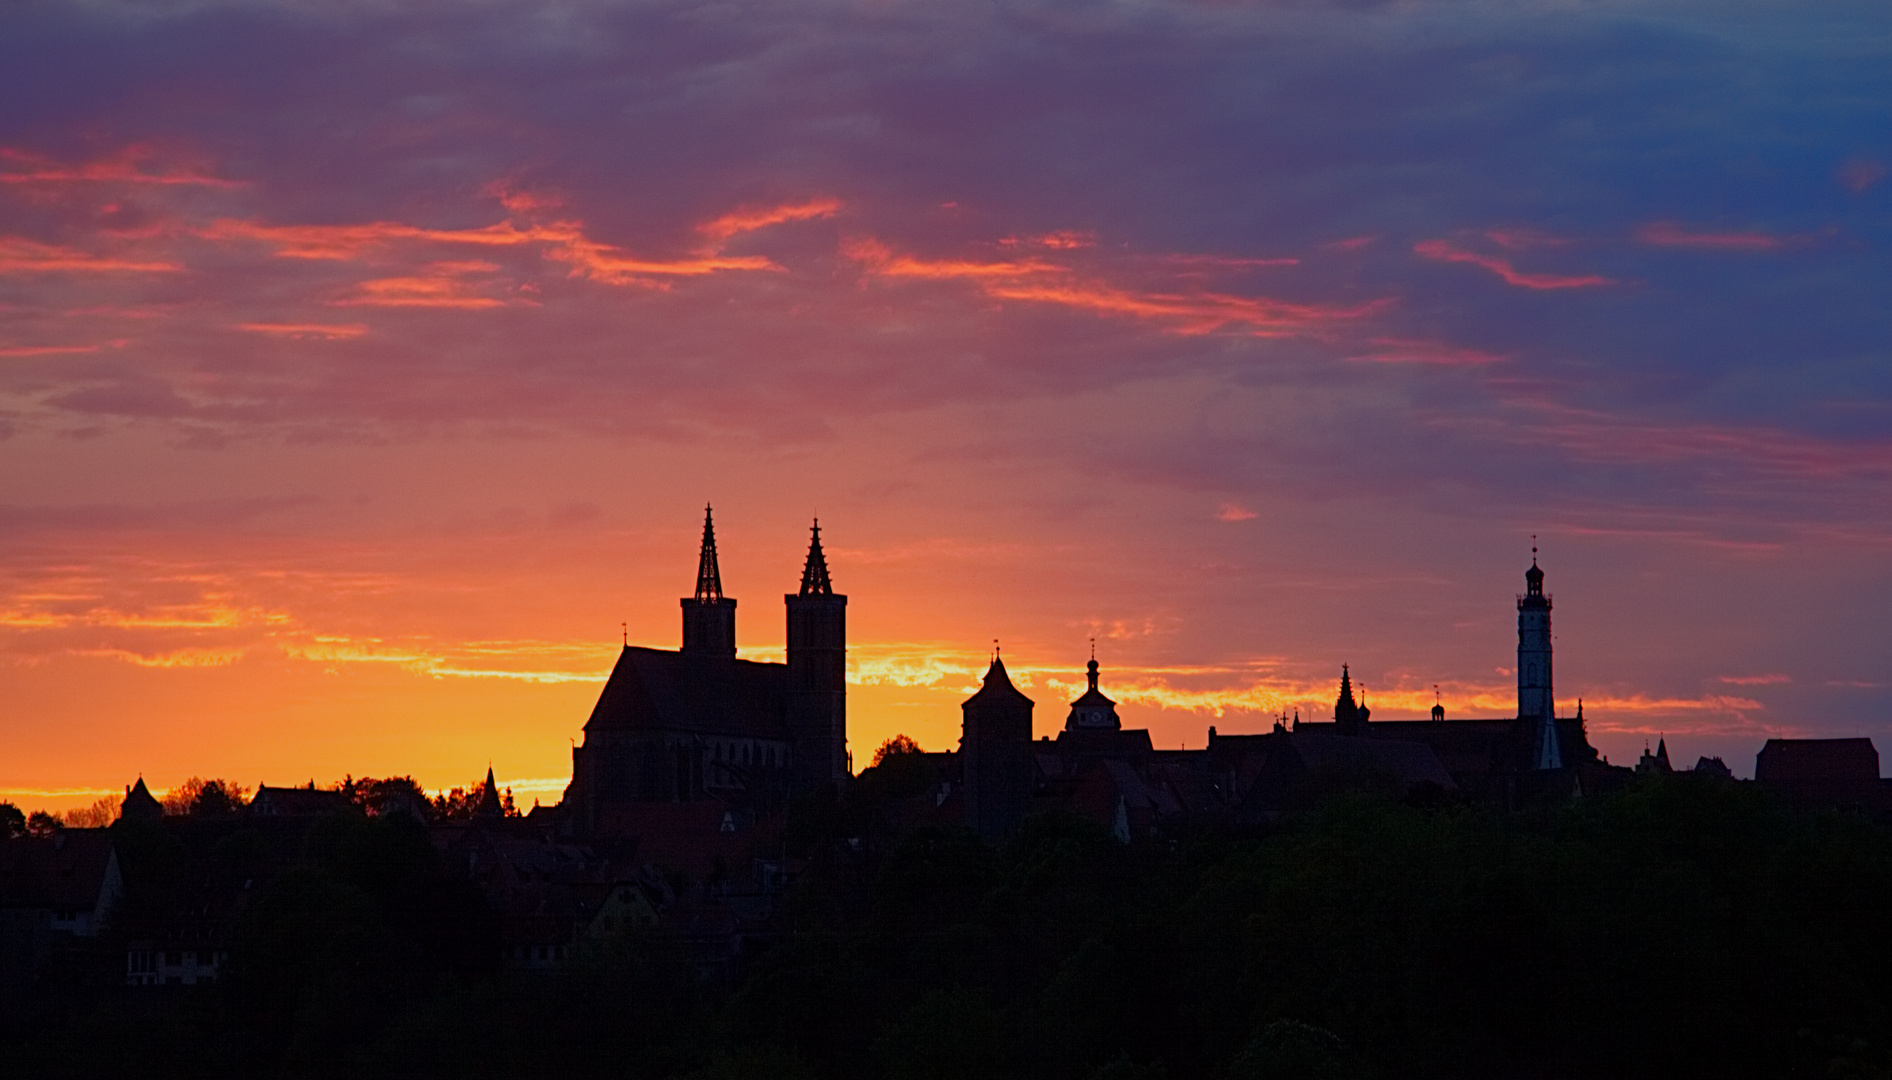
(13, 351)
(1179, 311)
(1756, 680)
(124, 167)
(306, 331)
(1861, 175)
(1232, 512)
(1669, 234)
(749, 219)
(1445, 252)
(1065, 240)
(1398, 351)
(21, 256)
(1523, 239)
(442, 285)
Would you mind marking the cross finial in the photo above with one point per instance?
(626, 627)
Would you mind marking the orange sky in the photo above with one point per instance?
(361, 371)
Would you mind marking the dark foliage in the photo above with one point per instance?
(1682, 928)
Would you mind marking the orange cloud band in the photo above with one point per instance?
(21, 256)
(750, 219)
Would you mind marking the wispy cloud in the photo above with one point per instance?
(1447, 252)
(1670, 234)
(22, 256)
(749, 219)
(1183, 310)
(306, 331)
(125, 166)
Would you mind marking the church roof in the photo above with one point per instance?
(997, 687)
(1817, 761)
(657, 690)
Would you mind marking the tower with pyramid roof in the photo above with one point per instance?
(817, 670)
(995, 754)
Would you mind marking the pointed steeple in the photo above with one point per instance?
(814, 575)
(489, 798)
(140, 804)
(709, 579)
(1348, 714)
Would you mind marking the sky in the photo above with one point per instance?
(365, 367)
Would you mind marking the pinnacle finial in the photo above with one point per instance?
(709, 577)
(814, 575)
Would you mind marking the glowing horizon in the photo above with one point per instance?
(363, 369)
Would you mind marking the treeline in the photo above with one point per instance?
(198, 797)
(1681, 928)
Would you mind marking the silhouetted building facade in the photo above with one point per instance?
(729, 739)
(1099, 769)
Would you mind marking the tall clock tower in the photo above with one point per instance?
(1535, 702)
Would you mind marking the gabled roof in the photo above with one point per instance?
(1817, 761)
(298, 802)
(656, 690)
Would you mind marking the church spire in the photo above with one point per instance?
(709, 579)
(814, 576)
(489, 806)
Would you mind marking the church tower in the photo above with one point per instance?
(1349, 716)
(709, 618)
(817, 671)
(1536, 708)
